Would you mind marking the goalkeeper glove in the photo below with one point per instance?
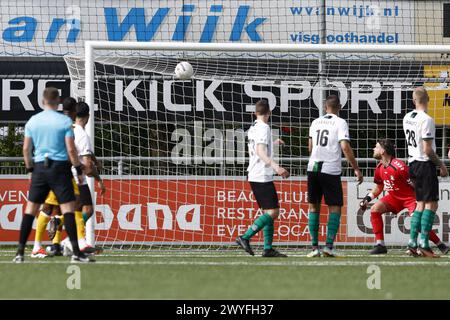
(366, 200)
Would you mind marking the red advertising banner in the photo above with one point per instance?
(178, 211)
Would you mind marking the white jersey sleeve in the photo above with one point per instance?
(343, 133)
(428, 129)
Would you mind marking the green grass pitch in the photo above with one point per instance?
(197, 274)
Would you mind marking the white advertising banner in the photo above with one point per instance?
(47, 28)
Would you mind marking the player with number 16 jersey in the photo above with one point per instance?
(328, 138)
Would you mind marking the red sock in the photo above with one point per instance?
(434, 238)
(377, 225)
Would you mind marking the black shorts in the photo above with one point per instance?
(57, 177)
(85, 195)
(325, 185)
(423, 175)
(265, 194)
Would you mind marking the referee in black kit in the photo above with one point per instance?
(50, 134)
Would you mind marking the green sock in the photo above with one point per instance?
(426, 224)
(313, 224)
(85, 217)
(415, 227)
(257, 225)
(332, 227)
(268, 235)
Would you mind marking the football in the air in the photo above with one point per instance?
(184, 70)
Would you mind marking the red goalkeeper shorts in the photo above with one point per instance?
(397, 205)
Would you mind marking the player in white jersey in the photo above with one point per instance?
(260, 176)
(423, 161)
(87, 158)
(328, 138)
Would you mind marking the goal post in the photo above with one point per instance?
(175, 151)
(90, 129)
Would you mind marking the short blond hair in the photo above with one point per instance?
(51, 95)
(420, 95)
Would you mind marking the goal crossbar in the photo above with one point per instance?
(265, 47)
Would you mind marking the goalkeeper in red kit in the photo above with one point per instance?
(392, 175)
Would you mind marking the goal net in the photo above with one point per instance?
(174, 152)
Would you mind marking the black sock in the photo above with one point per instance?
(25, 229)
(71, 229)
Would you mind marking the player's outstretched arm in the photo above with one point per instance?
(374, 193)
(91, 170)
(261, 151)
(428, 149)
(348, 153)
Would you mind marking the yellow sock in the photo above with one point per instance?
(58, 235)
(80, 224)
(42, 222)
